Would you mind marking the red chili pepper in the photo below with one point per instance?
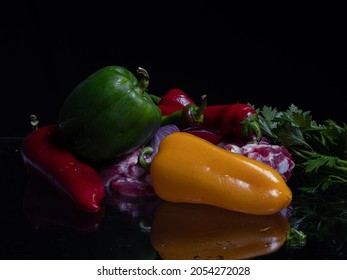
(173, 101)
(232, 120)
(45, 155)
(176, 97)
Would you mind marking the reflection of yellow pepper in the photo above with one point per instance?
(190, 169)
(182, 231)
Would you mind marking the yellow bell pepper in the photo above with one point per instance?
(186, 231)
(190, 169)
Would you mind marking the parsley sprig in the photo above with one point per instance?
(319, 150)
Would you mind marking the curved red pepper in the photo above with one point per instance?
(232, 120)
(175, 97)
(173, 101)
(45, 155)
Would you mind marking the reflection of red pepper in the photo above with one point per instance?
(43, 207)
(232, 120)
(45, 155)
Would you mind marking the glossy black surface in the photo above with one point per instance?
(35, 224)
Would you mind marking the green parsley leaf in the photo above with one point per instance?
(318, 149)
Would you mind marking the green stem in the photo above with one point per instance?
(316, 155)
(193, 114)
(190, 116)
(144, 82)
(251, 126)
(176, 118)
(338, 179)
(145, 152)
(156, 99)
(299, 153)
(200, 111)
(341, 168)
(342, 162)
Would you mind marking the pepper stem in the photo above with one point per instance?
(34, 122)
(145, 153)
(156, 99)
(144, 82)
(195, 115)
(251, 126)
(203, 105)
(190, 116)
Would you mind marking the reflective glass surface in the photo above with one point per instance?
(37, 224)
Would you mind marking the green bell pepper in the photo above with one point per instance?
(109, 114)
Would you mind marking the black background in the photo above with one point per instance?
(271, 55)
(267, 55)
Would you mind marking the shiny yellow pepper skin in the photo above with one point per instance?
(190, 169)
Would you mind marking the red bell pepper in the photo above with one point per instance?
(45, 155)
